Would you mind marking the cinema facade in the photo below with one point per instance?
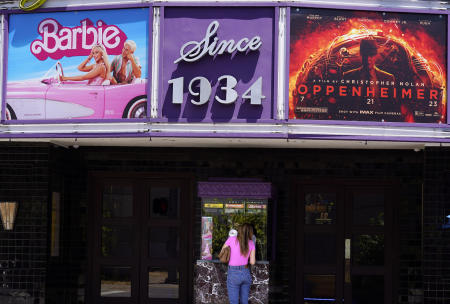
(326, 128)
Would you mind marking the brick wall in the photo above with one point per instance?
(436, 240)
(24, 177)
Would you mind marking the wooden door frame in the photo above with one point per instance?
(297, 221)
(95, 179)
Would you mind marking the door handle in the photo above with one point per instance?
(348, 252)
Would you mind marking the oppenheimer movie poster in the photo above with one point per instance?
(367, 66)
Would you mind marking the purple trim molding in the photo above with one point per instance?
(72, 121)
(149, 62)
(5, 66)
(287, 62)
(80, 8)
(448, 67)
(379, 9)
(275, 51)
(218, 4)
(230, 135)
(366, 123)
(162, 29)
(369, 138)
(235, 190)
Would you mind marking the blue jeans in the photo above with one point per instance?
(238, 284)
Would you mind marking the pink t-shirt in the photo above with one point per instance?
(236, 259)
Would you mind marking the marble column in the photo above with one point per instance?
(210, 283)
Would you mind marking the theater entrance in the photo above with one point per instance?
(139, 232)
(344, 243)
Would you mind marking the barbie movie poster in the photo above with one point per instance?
(78, 65)
(207, 231)
(367, 66)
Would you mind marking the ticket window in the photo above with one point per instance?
(222, 214)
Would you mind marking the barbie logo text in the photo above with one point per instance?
(58, 41)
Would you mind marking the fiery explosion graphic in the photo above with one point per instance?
(324, 51)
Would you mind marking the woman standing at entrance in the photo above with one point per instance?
(241, 249)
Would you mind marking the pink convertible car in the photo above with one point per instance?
(54, 99)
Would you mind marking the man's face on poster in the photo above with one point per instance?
(371, 61)
(126, 50)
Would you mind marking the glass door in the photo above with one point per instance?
(343, 248)
(116, 255)
(139, 252)
(319, 251)
(164, 260)
(368, 245)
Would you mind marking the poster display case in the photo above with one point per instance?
(372, 66)
(86, 65)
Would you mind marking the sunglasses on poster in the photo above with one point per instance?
(34, 5)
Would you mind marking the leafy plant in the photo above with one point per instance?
(222, 226)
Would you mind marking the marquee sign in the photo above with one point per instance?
(368, 66)
(77, 65)
(213, 72)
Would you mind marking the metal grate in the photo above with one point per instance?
(23, 250)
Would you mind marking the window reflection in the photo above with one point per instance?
(117, 241)
(320, 249)
(320, 208)
(319, 289)
(368, 209)
(115, 281)
(117, 201)
(368, 249)
(367, 289)
(163, 282)
(164, 242)
(164, 202)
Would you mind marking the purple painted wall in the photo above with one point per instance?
(184, 24)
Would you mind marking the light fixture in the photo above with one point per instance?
(8, 211)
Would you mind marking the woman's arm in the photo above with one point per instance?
(113, 80)
(93, 73)
(252, 257)
(82, 67)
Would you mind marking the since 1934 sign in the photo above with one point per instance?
(217, 64)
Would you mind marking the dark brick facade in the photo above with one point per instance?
(32, 172)
(436, 239)
(24, 177)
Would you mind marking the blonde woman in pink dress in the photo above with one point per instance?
(98, 72)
